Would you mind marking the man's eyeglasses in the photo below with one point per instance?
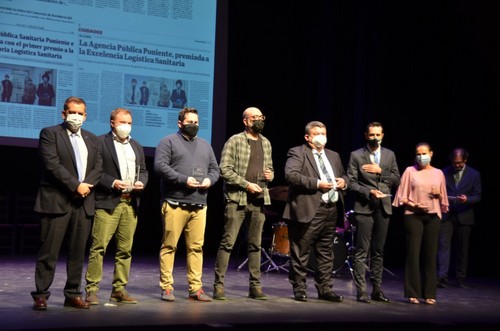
(257, 117)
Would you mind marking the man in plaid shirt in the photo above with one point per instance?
(246, 167)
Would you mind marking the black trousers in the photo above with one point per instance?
(371, 232)
(75, 226)
(421, 233)
(317, 235)
(453, 248)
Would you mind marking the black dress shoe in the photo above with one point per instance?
(40, 304)
(300, 296)
(76, 302)
(331, 296)
(379, 296)
(363, 297)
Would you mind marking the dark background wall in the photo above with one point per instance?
(427, 70)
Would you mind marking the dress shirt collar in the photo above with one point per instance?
(461, 171)
(115, 138)
(69, 132)
(374, 151)
(321, 152)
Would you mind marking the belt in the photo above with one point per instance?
(127, 196)
(185, 204)
(191, 205)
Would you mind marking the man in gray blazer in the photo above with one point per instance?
(373, 174)
(71, 166)
(317, 180)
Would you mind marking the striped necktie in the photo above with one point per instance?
(332, 194)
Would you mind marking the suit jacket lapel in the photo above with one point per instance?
(309, 157)
(110, 145)
(64, 136)
(135, 148)
(462, 179)
(90, 149)
(366, 155)
(382, 156)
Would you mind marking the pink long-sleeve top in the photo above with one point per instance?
(416, 186)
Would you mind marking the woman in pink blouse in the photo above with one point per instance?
(422, 193)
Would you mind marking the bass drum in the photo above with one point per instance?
(281, 244)
(339, 255)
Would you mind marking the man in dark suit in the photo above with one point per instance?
(178, 96)
(117, 200)
(71, 166)
(317, 181)
(7, 88)
(144, 94)
(463, 185)
(45, 91)
(373, 174)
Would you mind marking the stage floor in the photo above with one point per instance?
(476, 307)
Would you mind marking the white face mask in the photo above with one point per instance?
(319, 140)
(123, 130)
(74, 122)
(423, 159)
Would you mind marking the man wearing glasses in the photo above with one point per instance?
(246, 167)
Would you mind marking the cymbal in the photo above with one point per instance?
(279, 193)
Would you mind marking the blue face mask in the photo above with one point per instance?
(423, 159)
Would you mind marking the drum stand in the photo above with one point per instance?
(272, 265)
(242, 264)
(368, 266)
(350, 253)
(351, 229)
(269, 261)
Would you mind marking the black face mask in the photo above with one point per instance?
(258, 126)
(373, 142)
(190, 130)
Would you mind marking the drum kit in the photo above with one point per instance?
(280, 249)
(343, 248)
(277, 258)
